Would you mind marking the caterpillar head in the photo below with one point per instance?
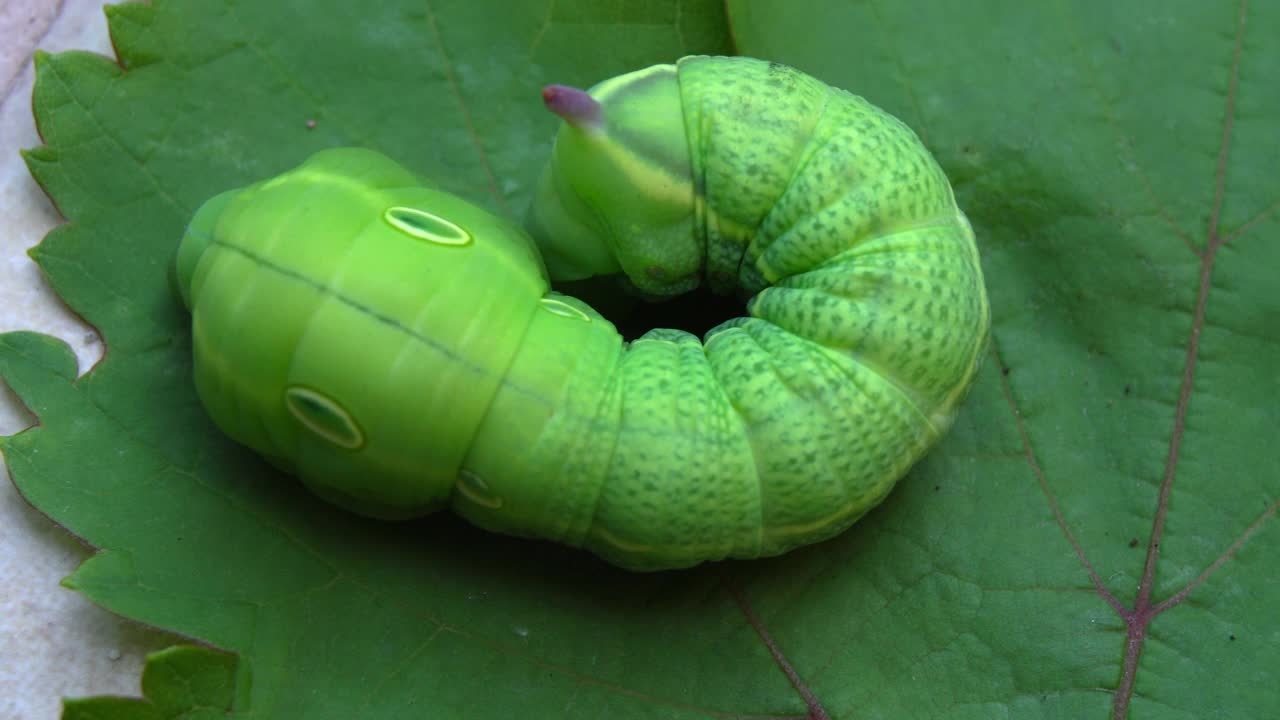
(618, 195)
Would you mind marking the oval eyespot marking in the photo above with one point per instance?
(323, 416)
(560, 307)
(477, 490)
(423, 225)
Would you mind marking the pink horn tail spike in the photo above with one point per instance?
(575, 106)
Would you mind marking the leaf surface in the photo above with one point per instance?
(1095, 536)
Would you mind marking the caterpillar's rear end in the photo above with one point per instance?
(870, 307)
(867, 324)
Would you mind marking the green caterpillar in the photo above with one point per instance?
(401, 350)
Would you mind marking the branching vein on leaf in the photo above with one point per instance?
(816, 710)
(1230, 552)
(1034, 464)
(1139, 618)
(183, 211)
(375, 689)
(1255, 220)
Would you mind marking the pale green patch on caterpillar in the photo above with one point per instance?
(401, 350)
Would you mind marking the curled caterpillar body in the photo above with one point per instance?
(401, 350)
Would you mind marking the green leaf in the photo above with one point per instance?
(1095, 537)
(184, 681)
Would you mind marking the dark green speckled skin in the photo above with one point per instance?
(868, 323)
